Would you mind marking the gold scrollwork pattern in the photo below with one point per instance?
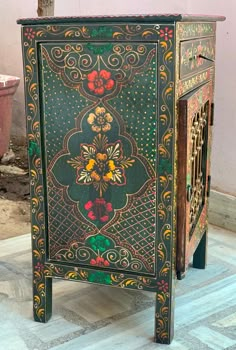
(36, 180)
(166, 195)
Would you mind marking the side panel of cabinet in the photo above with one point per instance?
(194, 144)
(100, 144)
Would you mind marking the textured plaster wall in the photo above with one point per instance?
(224, 142)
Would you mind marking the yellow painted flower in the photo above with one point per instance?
(111, 165)
(101, 156)
(100, 120)
(95, 176)
(90, 164)
(101, 163)
(108, 176)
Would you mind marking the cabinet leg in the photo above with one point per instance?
(42, 295)
(164, 317)
(200, 255)
(180, 275)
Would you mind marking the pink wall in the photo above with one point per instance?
(10, 53)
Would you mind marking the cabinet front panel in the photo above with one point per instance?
(100, 143)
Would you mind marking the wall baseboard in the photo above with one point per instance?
(222, 210)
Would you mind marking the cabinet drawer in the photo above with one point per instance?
(196, 55)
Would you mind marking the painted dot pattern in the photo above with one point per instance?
(137, 104)
(61, 107)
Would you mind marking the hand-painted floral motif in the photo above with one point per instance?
(163, 286)
(99, 243)
(100, 120)
(101, 167)
(29, 33)
(99, 173)
(101, 31)
(39, 267)
(100, 277)
(33, 149)
(101, 164)
(199, 53)
(98, 210)
(166, 33)
(100, 81)
(99, 262)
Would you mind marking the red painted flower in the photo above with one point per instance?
(199, 53)
(109, 207)
(29, 33)
(39, 266)
(88, 205)
(99, 262)
(100, 81)
(163, 286)
(98, 210)
(104, 218)
(166, 33)
(91, 215)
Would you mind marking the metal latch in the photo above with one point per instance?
(209, 185)
(212, 113)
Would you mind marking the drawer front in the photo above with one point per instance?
(196, 55)
(193, 170)
(100, 142)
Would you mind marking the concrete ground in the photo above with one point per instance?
(92, 317)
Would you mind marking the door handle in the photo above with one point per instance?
(206, 58)
(201, 56)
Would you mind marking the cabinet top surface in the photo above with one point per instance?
(168, 17)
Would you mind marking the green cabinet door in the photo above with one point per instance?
(100, 150)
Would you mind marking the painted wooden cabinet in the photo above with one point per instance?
(119, 118)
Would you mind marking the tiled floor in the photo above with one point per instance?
(91, 317)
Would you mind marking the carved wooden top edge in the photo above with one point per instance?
(168, 17)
